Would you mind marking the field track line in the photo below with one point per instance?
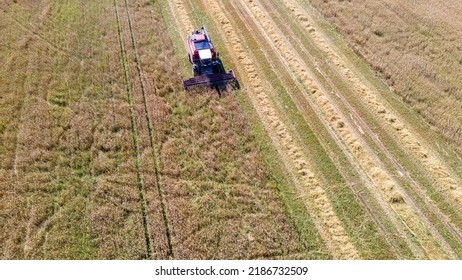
(447, 181)
(313, 195)
(154, 150)
(368, 131)
(400, 202)
(124, 62)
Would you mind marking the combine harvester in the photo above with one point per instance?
(206, 64)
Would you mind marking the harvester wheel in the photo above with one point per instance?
(196, 71)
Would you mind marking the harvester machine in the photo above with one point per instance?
(207, 68)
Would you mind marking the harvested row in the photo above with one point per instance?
(420, 182)
(380, 180)
(445, 178)
(360, 185)
(307, 184)
(350, 189)
(367, 161)
(413, 177)
(183, 23)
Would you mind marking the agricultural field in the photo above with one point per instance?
(335, 146)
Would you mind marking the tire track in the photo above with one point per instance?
(124, 62)
(445, 179)
(154, 150)
(308, 185)
(395, 196)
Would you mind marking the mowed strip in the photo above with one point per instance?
(378, 139)
(411, 176)
(427, 156)
(422, 186)
(380, 177)
(312, 193)
(360, 184)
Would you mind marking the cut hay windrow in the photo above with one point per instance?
(435, 211)
(308, 185)
(389, 189)
(182, 17)
(358, 181)
(446, 181)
